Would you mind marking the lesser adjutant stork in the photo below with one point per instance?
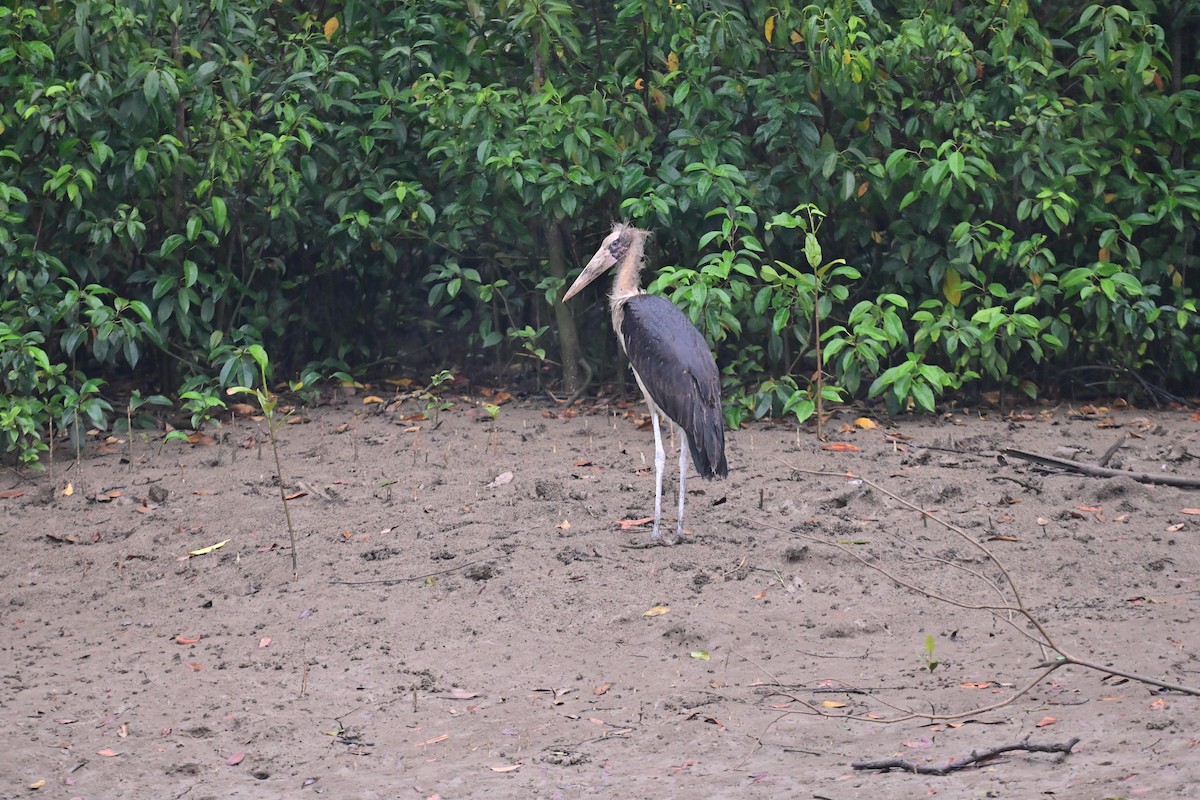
(671, 362)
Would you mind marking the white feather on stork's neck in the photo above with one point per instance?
(628, 281)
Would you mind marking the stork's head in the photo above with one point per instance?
(621, 247)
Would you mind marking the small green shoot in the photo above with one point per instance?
(269, 403)
(435, 405)
(930, 661)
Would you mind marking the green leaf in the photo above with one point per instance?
(150, 86)
(219, 212)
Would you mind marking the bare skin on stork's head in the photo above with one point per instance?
(671, 362)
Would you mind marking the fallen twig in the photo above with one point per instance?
(1044, 638)
(976, 757)
(421, 577)
(1103, 472)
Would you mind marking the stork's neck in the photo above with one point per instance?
(627, 283)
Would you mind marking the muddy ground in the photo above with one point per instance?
(469, 620)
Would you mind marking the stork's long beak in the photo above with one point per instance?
(600, 262)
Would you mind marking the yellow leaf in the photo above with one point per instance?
(876, 237)
(203, 551)
(672, 62)
(659, 99)
(656, 611)
(796, 38)
(564, 525)
(70, 490)
(951, 287)
(370, 399)
(865, 423)
(769, 28)
(41, 783)
(863, 189)
(702, 655)
(331, 26)
(1103, 255)
(846, 57)
(833, 704)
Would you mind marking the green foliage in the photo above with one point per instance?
(1016, 185)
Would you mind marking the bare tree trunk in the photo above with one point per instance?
(568, 336)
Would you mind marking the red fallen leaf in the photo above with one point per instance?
(186, 639)
(1090, 508)
(583, 463)
(165, 732)
(1044, 721)
(143, 509)
(107, 752)
(296, 495)
(918, 744)
(983, 685)
(626, 524)
(8, 494)
(195, 666)
(235, 759)
(461, 694)
(841, 447)
(203, 492)
(601, 689)
(1192, 511)
(95, 537)
(1159, 704)
(264, 641)
(1003, 539)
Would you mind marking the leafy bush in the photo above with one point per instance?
(1016, 186)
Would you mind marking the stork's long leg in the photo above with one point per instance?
(683, 465)
(660, 460)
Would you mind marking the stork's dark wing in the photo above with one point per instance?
(675, 365)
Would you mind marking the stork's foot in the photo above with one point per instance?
(662, 541)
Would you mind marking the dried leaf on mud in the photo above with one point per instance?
(235, 759)
(181, 639)
(434, 740)
(506, 767)
(203, 551)
(601, 689)
(701, 655)
(656, 611)
(626, 524)
(840, 447)
(1045, 721)
(501, 479)
(107, 752)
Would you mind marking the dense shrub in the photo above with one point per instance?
(1012, 187)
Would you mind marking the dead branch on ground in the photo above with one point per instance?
(1005, 612)
(1093, 471)
(976, 757)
